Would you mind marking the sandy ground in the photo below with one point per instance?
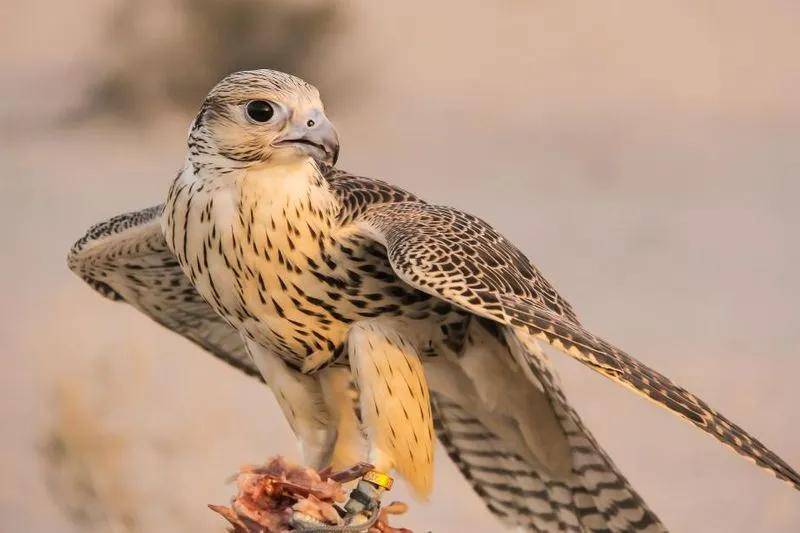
(645, 157)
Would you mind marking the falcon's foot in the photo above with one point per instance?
(361, 512)
(280, 496)
(365, 500)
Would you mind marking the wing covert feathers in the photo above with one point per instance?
(463, 260)
(126, 259)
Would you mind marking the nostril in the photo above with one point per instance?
(310, 123)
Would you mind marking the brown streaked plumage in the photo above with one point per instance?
(341, 285)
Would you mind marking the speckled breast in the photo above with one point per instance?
(285, 273)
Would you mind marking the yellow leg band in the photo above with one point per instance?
(380, 479)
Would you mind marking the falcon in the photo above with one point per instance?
(378, 320)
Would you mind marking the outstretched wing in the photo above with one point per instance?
(461, 259)
(126, 259)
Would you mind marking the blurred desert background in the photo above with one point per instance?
(644, 154)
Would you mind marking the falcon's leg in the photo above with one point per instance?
(341, 398)
(301, 399)
(394, 400)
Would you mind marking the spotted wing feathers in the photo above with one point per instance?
(463, 260)
(357, 194)
(126, 259)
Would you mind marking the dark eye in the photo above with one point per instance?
(260, 111)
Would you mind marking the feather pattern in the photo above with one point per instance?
(523, 486)
(126, 259)
(462, 259)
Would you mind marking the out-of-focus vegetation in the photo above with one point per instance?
(169, 53)
(83, 464)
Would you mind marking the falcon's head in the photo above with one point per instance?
(263, 115)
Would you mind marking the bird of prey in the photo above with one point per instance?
(378, 320)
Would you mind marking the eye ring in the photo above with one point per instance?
(259, 111)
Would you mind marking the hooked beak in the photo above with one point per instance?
(315, 137)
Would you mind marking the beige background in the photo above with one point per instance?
(645, 155)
